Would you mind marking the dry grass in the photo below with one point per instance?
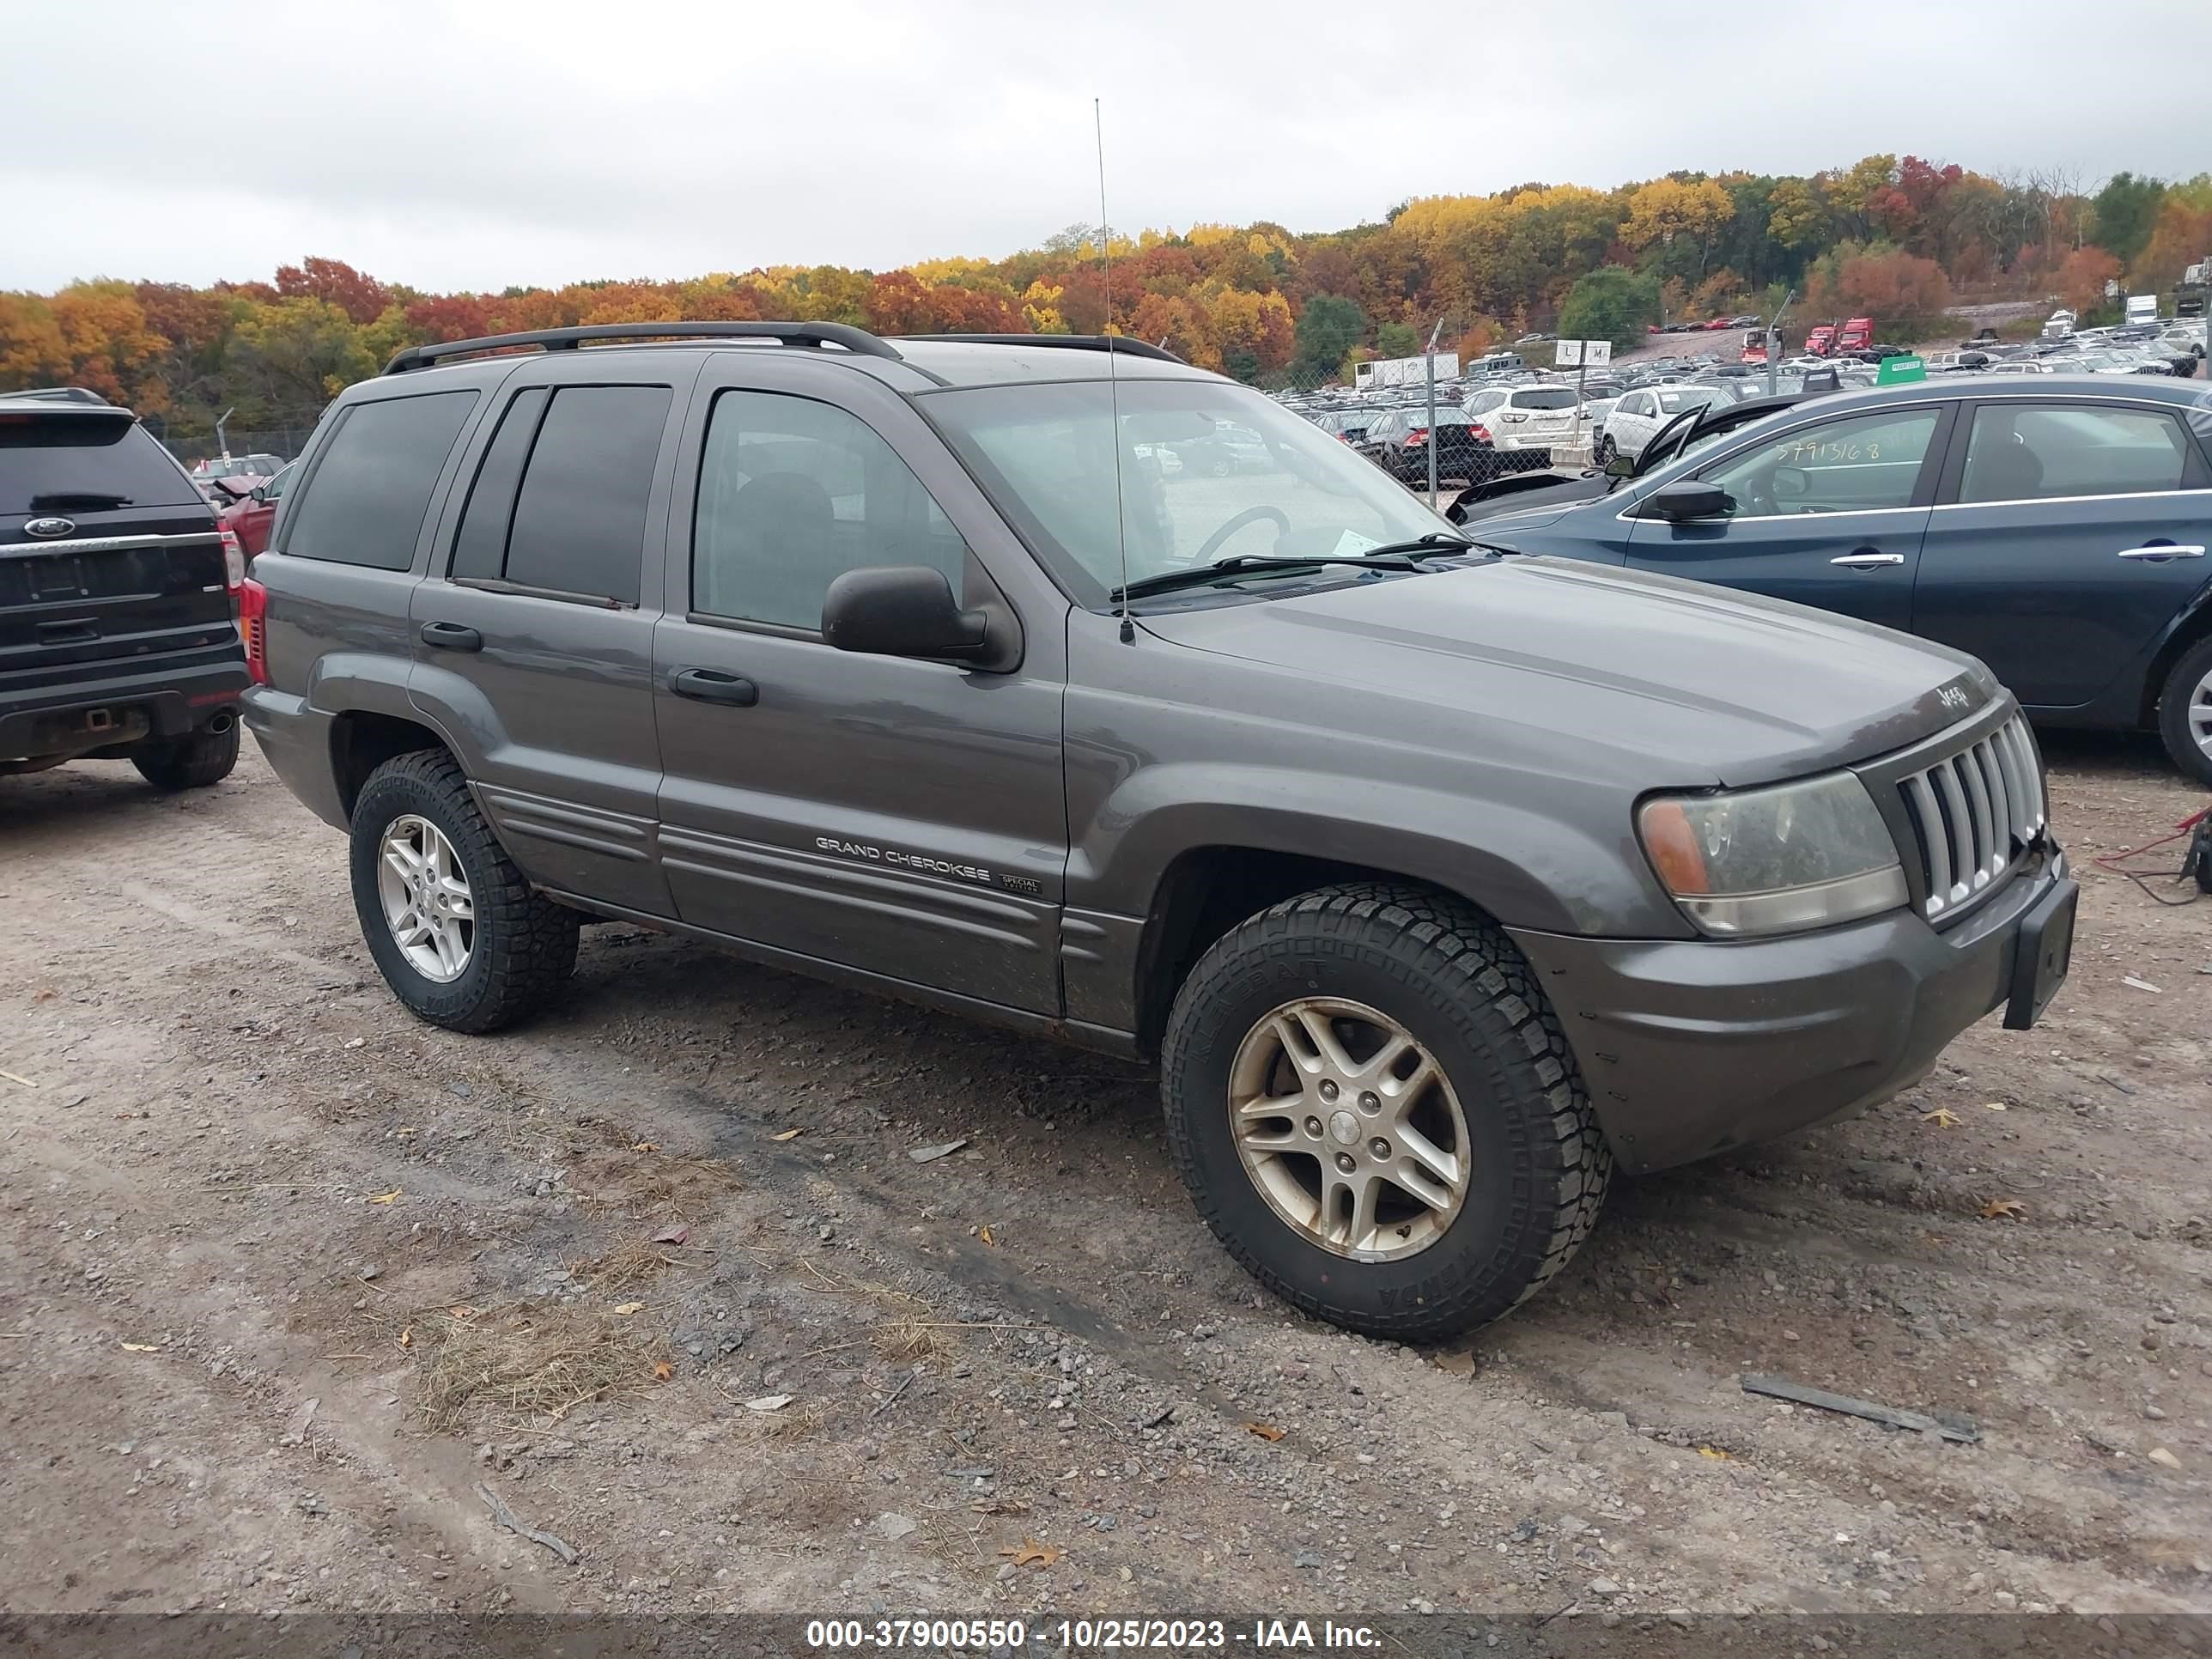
(627, 1174)
(633, 1263)
(534, 1362)
(911, 1340)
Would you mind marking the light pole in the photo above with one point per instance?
(1430, 357)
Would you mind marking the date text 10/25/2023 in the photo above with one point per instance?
(1087, 1635)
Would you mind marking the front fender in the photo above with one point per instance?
(1526, 868)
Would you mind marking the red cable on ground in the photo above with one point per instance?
(2111, 861)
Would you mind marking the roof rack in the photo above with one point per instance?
(1120, 344)
(858, 341)
(60, 394)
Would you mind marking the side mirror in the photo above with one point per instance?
(1621, 466)
(900, 610)
(258, 493)
(1456, 513)
(1687, 500)
(1791, 483)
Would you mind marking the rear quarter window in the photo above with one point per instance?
(363, 503)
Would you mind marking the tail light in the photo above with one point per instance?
(233, 559)
(253, 627)
(1420, 435)
(1481, 432)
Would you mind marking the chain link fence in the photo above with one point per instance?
(284, 442)
(1482, 428)
(191, 438)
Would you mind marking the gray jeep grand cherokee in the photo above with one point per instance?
(1439, 883)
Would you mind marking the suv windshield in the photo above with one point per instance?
(1047, 454)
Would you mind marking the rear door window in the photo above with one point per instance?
(2028, 452)
(585, 468)
(480, 545)
(1545, 398)
(365, 500)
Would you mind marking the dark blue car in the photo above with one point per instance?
(2058, 529)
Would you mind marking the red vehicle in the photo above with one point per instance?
(1857, 334)
(1755, 346)
(251, 515)
(1718, 322)
(1821, 341)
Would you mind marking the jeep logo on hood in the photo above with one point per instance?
(49, 527)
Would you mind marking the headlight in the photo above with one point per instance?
(1774, 860)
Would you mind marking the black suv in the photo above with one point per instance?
(1437, 883)
(119, 638)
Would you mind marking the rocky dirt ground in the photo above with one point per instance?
(285, 1277)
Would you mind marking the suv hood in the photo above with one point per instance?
(1681, 682)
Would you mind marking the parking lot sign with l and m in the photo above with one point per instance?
(1581, 353)
(1582, 356)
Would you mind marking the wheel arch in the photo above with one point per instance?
(2190, 629)
(363, 740)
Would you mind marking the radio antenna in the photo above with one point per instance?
(1113, 378)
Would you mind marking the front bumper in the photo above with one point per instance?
(174, 696)
(1691, 1048)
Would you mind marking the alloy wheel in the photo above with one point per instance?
(2200, 713)
(426, 899)
(1349, 1129)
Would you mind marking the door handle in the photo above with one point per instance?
(2163, 550)
(452, 636)
(1867, 559)
(711, 685)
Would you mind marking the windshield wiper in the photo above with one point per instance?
(1436, 542)
(84, 500)
(1167, 581)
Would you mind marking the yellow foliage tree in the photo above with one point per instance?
(1041, 307)
(1667, 207)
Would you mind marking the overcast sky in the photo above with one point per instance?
(471, 145)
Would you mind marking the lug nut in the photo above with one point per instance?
(1343, 1163)
(1369, 1102)
(1328, 1089)
(1379, 1146)
(1312, 1127)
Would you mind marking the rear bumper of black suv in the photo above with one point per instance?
(175, 696)
(1692, 1047)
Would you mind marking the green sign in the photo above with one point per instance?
(1897, 371)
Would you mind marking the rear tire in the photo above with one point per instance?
(521, 945)
(191, 761)
(2184, 712)
(1532, 1165)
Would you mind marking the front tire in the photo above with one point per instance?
(2184, 712)
(1435, 1159)
(458, 933)
(192, 762)
(1606, 452)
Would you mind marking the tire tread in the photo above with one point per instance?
(1452, 942)
(530, 940)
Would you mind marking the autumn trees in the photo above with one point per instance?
(1887, 236)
